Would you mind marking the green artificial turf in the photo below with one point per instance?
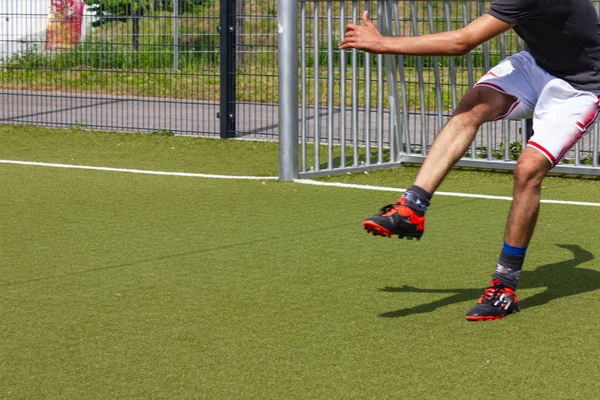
(119, 286)
(143, 151)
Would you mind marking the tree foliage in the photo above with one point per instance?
(133, 10)
(127, 8)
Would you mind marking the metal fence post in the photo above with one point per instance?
(288, 89)
(227, 56)
(175, 35)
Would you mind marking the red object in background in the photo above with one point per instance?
(64, 24)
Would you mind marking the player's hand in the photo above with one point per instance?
(363, 37)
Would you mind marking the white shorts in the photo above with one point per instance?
(561, 114)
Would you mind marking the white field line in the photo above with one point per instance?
(262, 178)
(400, 190)
(137, 171)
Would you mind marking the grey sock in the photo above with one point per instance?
(508, 269)
(418, 199)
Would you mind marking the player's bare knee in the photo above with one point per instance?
(530, 172)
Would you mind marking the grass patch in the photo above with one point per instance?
(134, 286)
(144, 151)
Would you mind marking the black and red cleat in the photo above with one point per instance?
(496, 302)
(396, 219)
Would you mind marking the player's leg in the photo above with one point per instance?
(561, 118)
(479, 105)
(562, 115)
(500, 299)
(406, 218)
(504, 92)
(529, 173)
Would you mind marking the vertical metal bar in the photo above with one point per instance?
(469, 70)
(451, 64)
(436, 73)
(390, 66)
(317, 138)
(367, 133)
(402, 119)
(288, 89)
(595, 146)
(505, 124)
(227, 51)
(175, 35)
(486, 67)
(330, 78)
(380, 89)
(354, 94)
(578, 152)
(485, 45)
(303, 120)
(526, 124)
(342, 88)
(394, 127)
(422, 105)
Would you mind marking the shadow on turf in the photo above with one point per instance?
(560, 279)
(178, 255)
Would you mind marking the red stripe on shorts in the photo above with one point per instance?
(589, 118)
(501, 90)
(543, 150)
(512, 107)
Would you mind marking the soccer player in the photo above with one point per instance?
(556, 82)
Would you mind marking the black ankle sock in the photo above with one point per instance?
(422, 194)
(418, 199)
(508, 269)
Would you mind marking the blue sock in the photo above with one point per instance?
(516, 251)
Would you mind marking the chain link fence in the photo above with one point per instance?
(140, 65)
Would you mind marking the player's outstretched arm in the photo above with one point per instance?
(458, 42)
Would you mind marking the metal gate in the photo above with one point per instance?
(359, 111)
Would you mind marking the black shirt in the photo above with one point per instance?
(562, 35)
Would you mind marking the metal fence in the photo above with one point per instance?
(193, 67)
(209, 67)
(359, 111)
